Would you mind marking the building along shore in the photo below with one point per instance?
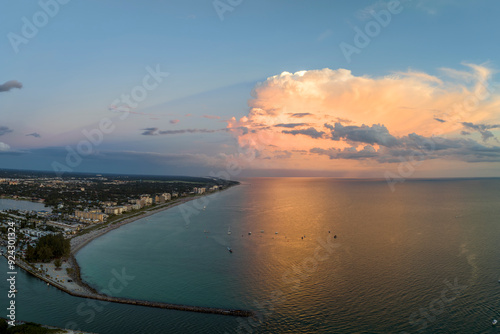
(79, 288)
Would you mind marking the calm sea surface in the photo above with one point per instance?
(22, 205)
(424, 257)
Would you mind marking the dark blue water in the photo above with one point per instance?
(425, 257)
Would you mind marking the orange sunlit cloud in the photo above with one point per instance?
(309, 118)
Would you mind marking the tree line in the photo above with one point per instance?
(49, 247)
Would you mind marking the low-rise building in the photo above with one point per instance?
(113, 210)
(199, 191)
(94, 215)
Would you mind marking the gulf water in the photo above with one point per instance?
(424, 258)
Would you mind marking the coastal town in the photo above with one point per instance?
(78, 204)
(77, 209)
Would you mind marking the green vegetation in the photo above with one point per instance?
(28, 328)
(49, 247)
(77, 191)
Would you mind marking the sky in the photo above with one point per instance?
(233, 88)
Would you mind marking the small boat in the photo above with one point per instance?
(204, 207)
(229, 249)
(494, 322)
(229, 230)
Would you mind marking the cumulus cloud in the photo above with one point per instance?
(419, 148)
(378, 119)
(311, 132)
(10, 85)
(375, 134)
(4, 147)
(350, 153)
(483, 129)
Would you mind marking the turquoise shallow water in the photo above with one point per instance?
(424, 257)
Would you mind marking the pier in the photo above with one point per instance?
(96, 296)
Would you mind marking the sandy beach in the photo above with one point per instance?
(80, 241)
(72, 282)
(68, 279)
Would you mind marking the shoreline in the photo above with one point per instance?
(78, 242)
(83, 290)
(121, 300)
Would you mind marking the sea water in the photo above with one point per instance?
(422, 258)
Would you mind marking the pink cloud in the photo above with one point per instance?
(211, 117)
(401, 104)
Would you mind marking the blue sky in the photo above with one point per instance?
(91, 52)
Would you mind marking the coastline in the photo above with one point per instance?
(81, 241)
(78, 242)
(101, 297)
(79, 288)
